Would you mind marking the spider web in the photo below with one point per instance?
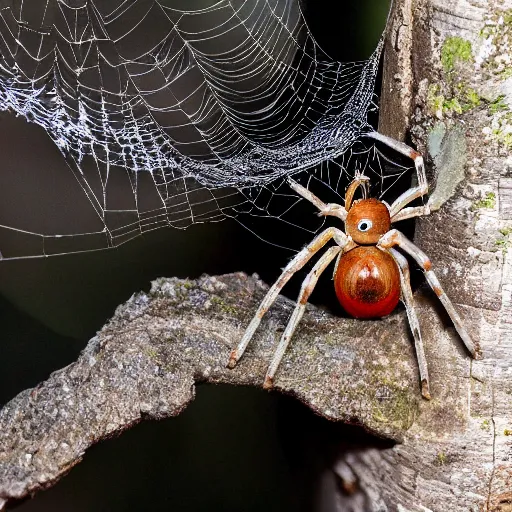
(203, 107)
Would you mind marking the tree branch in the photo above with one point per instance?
(145, 361)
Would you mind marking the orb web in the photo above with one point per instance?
(203, 107)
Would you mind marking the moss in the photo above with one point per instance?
(485, 425)
(489, 201)
(504, 243)
(452, 105)
(505, 73)
(507, 17)
(467, 96)
(435, 101)
(501, 129)
(455, 49)
(460, 99)
(441, 459)
(453, 95)
(473, 99)
(505, 139)
(498, 104)
(217, 301)
(399, 408)
(498, 24)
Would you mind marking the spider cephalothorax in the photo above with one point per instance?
(370, 274)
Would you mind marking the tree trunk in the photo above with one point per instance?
(447, 83)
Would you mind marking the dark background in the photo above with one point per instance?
(233, 449)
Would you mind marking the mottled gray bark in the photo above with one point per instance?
(448, 84)
(145, 361)
(454, 453)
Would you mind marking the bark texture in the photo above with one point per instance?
(144, 363)
(448, 84)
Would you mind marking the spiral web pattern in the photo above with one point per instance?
(215, 101)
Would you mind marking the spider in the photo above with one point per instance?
(370, 275)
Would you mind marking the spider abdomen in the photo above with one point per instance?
(367, 282)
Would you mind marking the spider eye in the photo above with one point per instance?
(364, 225)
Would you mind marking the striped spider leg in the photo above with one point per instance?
(396, 238)
(343, 244)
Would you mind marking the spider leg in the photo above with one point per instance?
(333, 209)
(404, 199)
(293, 266)
(394, 237)
(414, 192)
(307, 288)
(408, 300)
(412, 211)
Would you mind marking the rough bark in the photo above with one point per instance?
(145, 361)
(447, 81)
(453, 453)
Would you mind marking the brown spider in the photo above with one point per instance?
(369, 273)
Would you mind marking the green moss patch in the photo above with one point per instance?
(488, 201)
(455, 50)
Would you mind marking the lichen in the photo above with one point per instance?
(494, 55)
(392, 403)
(447, 146)
(151, 353)
(494, 58)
